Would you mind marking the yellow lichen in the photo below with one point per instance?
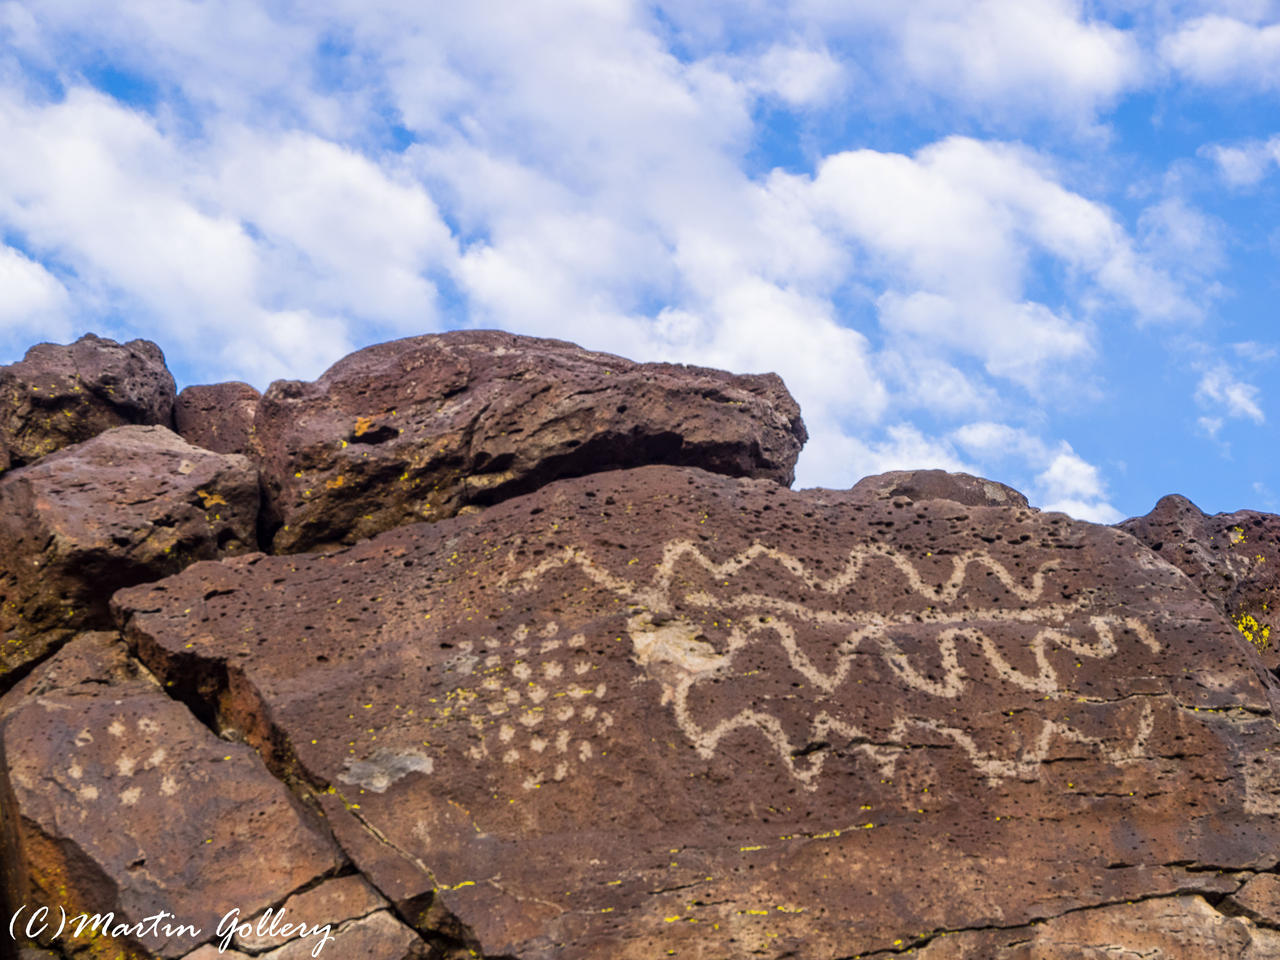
(1257, 634)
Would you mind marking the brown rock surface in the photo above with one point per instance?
(332, 903)
(59, 395)
(661, 712)
(118, 800)
(420, 428)
(217, 416)
(1233, 557)
(378, 936)
(129, 505)
(1166, 928)
(1259, 899)
(916, 485)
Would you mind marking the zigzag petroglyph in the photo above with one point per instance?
(671, 649)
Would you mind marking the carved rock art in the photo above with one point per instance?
(659, 709)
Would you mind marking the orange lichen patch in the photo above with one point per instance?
(363, 425)
(335, 483)
(211, 499)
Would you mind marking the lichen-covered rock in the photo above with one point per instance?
(662, 712)
(1233, 557)
(58, 395)
(117, 800)
(421, 428)
(217, 416)
(129, 505)
(916, 485)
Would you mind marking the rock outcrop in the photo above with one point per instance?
(419, 429)
(658, 710)
(217, 416)
(118, 801)
(129, 505)
(647, 702)
(1233, 557)
(919, 485)
(59, 395)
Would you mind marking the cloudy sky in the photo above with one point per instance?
(1031, 239)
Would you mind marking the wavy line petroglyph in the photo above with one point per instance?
(670, 648)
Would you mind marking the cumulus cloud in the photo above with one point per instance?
(1244, 164)
(309, 179)
(999, 58)
(34, 303)
(1218, 50)
(1063, 480)
(1220, 388)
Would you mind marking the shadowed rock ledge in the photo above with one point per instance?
(639, 699)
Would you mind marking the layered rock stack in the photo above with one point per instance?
(488, 646)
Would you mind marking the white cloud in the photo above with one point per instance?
(1218, 386)
(262, 249)
(572, 176)
(1000, 58)
(1219, 50)
(1244, 164)
(999, 50)
(1071, 485)
(34, 303)
(1063, 480)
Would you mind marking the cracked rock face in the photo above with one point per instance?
(117, 799)
(1176, 928)
(418, 429)
(1233, 557)
(662, 710)
(59, 395)
(131, 504)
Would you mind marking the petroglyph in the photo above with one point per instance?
(673, 650)
(536, 704)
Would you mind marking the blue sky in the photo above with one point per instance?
(1032, 239)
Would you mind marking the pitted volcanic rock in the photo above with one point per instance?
(660, 710)
(1233, 557)
(217, 416)
(129, 505)
(117, 800)
(59, 395)
(418, 429)
(918, 485)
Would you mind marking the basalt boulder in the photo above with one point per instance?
(59, 395)
(217, 416)
(120, 804)
(1233, 557)
(129, 505)
(916, 485)
(422, 428)
(659, 712)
